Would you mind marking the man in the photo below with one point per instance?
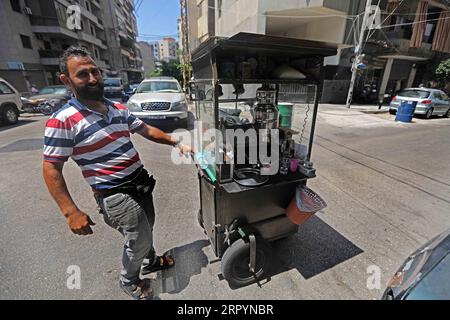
(95, 133)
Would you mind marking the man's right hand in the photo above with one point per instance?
(80, 223)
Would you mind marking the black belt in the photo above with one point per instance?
(142, 184)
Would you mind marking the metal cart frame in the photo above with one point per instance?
(240, 221)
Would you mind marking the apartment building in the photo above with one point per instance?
(148, 59)
(121, 33)
(399, 53)
(167, 49)
(37, 32)
(201, 22)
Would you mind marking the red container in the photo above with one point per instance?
(295, 215)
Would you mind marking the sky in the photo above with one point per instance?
(157, 19)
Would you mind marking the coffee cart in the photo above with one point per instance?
(266, 91)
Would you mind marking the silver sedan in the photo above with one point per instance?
(430, 102)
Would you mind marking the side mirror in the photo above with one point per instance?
(134, 90)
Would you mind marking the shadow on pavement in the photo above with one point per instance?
(189, 261)
(21, 122)
(315, 248)
(23, 145)
(171, 128)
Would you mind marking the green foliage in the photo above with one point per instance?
(443, 71)
(171, 69)
(154, 73)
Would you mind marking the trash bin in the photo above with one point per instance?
(286, 110)
(304, 205)
(406, 111)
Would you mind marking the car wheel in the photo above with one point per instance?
(10, 115)
(447, 114)
(429, 113)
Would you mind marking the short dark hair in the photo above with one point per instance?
(71, 52)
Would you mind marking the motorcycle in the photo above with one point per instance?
(50, 106)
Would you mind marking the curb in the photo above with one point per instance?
(374, 111)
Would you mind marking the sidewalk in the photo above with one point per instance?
(371, 109)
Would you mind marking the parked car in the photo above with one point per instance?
(130, 89)
(425, 275)
(430, 102)
(10, 103)
(160, 101)
(114, 89)
(57, 96)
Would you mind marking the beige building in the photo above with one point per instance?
(201, 22)
(167, 49)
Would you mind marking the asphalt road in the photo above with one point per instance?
(387, 186)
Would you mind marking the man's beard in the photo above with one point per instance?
(88, 92)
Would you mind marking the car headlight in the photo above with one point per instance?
(179, 106)
(133, 106)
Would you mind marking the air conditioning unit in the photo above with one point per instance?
(27, 10)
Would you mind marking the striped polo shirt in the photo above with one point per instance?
(100, 145)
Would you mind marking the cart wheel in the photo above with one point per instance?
(236, 260)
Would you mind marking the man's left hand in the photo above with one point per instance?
(185, 150)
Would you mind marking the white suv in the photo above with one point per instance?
(10, 103)
(160, 101)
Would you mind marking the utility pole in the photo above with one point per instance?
(186, 57)
(358, 51)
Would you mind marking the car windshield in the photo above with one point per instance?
(420, 94)
(112, 82)
(53, 90)
(159, 86)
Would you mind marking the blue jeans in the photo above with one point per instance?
(134, 218)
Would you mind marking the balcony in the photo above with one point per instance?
(51, 26)
(320, 20)
(397, 42)
(50, 61)
(102, 64)
(91, 39)
(84, 11)
(50, 53)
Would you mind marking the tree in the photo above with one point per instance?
(154, 73)
(443, 71)
(171, 69)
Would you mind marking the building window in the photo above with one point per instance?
(96, 54)
(15, 5)
(26, 41)
(88, 6)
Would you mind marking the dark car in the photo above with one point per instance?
(57, 96)
(130, 89)
(425, 275)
